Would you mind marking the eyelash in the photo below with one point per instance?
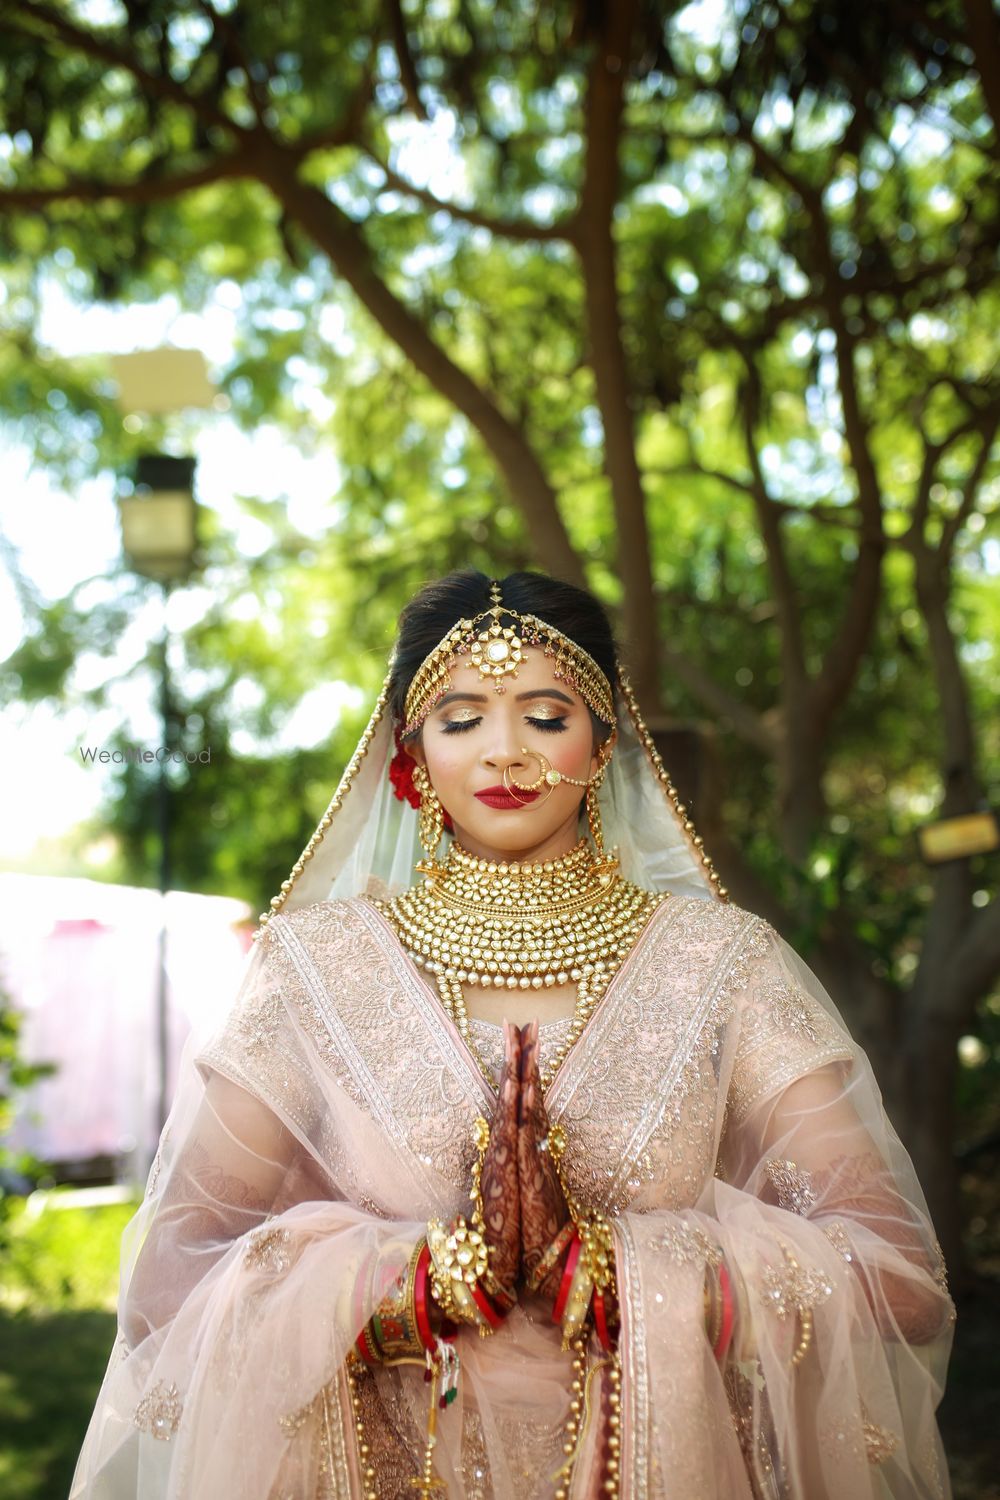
(456, 726)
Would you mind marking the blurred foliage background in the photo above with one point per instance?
(696, 304)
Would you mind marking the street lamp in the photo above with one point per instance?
(159, 538)
(159, 518)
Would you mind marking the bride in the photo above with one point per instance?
(525, 1164)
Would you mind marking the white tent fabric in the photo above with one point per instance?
(79, 960)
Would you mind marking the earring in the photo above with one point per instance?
(594, 818)
(431, 825)
(607, 865)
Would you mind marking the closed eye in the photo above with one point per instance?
(456, 726)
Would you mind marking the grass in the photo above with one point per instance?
(57, 1326)
(63, 1257)
(51, 1366)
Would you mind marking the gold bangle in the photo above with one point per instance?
(581, 1289)
(550, 1257)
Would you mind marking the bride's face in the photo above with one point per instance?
(475, 733)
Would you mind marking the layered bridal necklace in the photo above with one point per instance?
(509, 925)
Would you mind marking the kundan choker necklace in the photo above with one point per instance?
(522, 926)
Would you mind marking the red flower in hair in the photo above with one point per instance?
(401, 775)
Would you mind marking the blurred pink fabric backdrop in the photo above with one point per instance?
(79, 958)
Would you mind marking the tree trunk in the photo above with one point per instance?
(594, 240)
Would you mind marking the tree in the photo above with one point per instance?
(707, 317)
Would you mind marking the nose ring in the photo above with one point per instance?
(548, 778)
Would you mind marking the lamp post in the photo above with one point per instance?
(159, 539)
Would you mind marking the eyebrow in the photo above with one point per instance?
(521, 697)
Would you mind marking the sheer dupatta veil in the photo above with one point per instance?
(329, 1119)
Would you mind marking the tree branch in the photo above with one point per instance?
(514, 229)
(985, 420)
(230, 38)
(952, 526)
(746, 721)
(697, 470)
(162, 85)
(347, 131)
(595, 245)
(143, 190)
(404, 57)
(829, 515)
(793, 667)
(844, 655)
(342, 241)
(841, 662)
(984, 34)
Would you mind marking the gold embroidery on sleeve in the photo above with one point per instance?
(686, 1242)
(792, 1288)
(268, 1251)
(793, 1184)
(159, 1412)
(880, 1443)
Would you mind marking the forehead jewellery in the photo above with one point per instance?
(494, 650)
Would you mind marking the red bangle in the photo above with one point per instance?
(492, 1314)
(361, 1344)
(420, 1299)
(575, 1246)
(725, 1333)
(601, 1321)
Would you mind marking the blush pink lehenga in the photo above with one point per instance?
(715, 1105)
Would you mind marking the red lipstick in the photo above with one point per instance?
(501, 799)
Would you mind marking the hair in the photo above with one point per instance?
(438, 606)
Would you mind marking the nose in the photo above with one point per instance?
(505, 749)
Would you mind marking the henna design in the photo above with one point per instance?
(543, 1204)
(499, 1183)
